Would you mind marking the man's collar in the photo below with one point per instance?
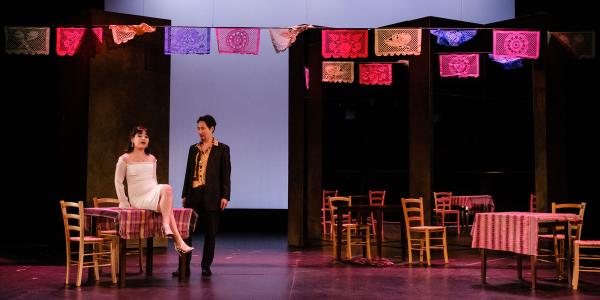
(215, 142)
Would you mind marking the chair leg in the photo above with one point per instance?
(113, 261)
(80, 264)
(96, 249)
(445, 247)
(334, 246)
(373, 224)
(427, 249)
(422, 248)
(324, 224)
(410, 250)
(349, 244)
(68, 266)
(443, 219)
(575, 279)
(368, 242)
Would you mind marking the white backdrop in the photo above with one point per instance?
(248, 94)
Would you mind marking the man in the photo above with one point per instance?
(207, 187)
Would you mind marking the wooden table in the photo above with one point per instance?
(518, 232)
(133, 223)
(471, 204)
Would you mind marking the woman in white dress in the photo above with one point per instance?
(138, 167)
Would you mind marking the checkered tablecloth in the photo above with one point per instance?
(136, 223)
(512, 231)
(476, 203)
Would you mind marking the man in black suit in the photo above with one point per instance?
(207, 187)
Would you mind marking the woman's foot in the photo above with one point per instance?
(167, 231)
(183, 249)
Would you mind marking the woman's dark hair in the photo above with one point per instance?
(134, 131)
(209, 120)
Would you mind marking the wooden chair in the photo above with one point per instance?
(418, 235)
(443, 207)
(73, 220)
(347, 227)
(112, 233)
(376, 198)
(578, 257)
(558, 251)
(325, 220)
(532, 203)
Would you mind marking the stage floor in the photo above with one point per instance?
(261, 266)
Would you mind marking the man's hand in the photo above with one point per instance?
(224, 203)
(183, 201)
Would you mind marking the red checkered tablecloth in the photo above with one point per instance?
(512, 231)
(137, 223)
(477, 203)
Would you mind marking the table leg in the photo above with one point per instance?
(122, 261)
(483, 264)
(519, 266)
(568, 246)
(533, 271)
(149, 255)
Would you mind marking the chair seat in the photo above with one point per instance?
(88, 239)
(587, 243)
(426, 228)
(551, 236)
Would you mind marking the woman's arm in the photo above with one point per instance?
(120, 172)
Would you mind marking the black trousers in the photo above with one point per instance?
(208, 222)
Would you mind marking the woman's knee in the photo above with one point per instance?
(167, 189)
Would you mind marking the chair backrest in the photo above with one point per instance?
(326, 195)
(413, 212)
(442, 200)
(532, 202)
(106, 202)
(578, 208)
(334, 202)
(72, 213)
(376, 198)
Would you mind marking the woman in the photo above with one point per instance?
(138, 166)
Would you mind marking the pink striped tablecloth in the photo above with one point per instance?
(137, 223)
(512, 231)
(477, 203)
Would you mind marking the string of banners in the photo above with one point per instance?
(509, 46)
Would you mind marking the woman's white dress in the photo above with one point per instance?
(142, 186)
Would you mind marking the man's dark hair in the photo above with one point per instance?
(209, 120)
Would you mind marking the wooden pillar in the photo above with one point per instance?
(314, 138)
(549, 96)
(296, 159)
(306, 147)
(420, 130)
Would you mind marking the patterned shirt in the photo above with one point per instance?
(201, 162)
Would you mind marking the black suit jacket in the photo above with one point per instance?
(218, 177)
